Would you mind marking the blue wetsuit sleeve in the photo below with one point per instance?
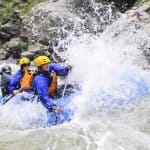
(41, 88)
(15, 81)
(60, 70)
(6, 77)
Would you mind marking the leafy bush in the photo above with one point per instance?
(7, 10)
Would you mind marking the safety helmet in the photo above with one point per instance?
(6, 69)
(42, 60)
(23, 61)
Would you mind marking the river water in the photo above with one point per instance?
(99, 64)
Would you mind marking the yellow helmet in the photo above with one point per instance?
(24, 60)
(42, 60)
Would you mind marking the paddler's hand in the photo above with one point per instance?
(57, 109)
(16, 92)
(69, 67)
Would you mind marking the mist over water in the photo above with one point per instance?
(100, 65)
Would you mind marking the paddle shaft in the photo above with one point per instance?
(57, 114)
(11, 96)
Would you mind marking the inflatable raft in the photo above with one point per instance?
(131, 89)
(21, 109)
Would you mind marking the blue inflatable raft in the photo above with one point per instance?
(131, 90)
(66, 113)
(52, 118)
(138, 90)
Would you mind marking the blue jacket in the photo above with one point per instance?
(14, 83)
(41, 83)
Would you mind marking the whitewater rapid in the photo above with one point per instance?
(99, 62)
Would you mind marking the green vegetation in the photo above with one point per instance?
(23, 44)
(6, 11)
(27, 6)
(144, 1)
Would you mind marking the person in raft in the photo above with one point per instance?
(22, 79)
(45, 80)
(6, 74)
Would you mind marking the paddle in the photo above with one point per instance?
(57, 118)
(58, 114)
(18, 91)
(11, 96)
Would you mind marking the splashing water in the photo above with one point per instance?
(100, 67)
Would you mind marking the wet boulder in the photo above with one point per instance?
(4, 37)
(3, 54)
(14, 47)
(10, 29)
(132, 31)
(2, 3)
(36, 50)
(28, 54)
(50, 24)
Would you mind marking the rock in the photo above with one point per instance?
(55, 0)
(24, 0)
(24, 36)
(132, 31)
(49, 23)
(3, 54)
(28, 54)
(38, 49)
(10, 29)
(2, 3)
(147, 53)
(124, 5)
(13, 43)
(14, 47)
(5, 21)
(44, 41)
(26, 29)
(47, 26)
(145, 7)
(121, 5)
(4, 37)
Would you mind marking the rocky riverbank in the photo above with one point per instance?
(47, 28)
